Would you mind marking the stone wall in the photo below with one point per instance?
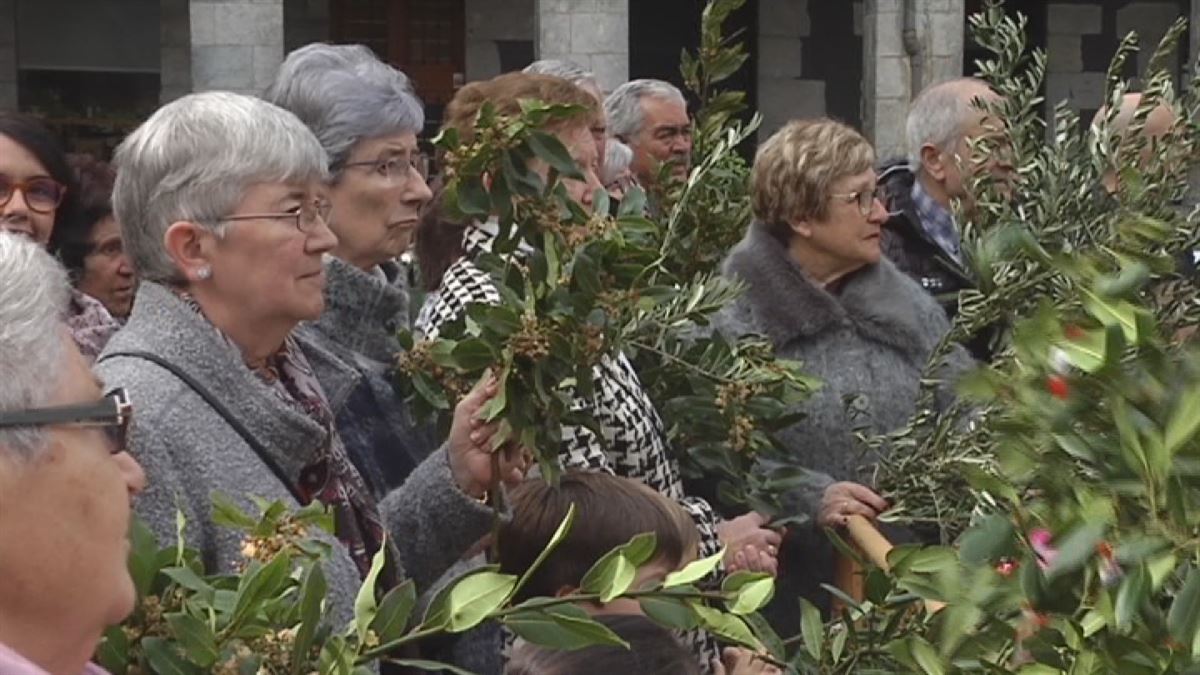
(1081, 38)
(491, 25)
(175, 50)
(592, 33)
(892, 78)
(236, 45)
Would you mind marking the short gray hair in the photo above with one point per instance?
(345, 94)
(568, 70)
(617, 158)
(939, 115)
(623, 107)
(194, 159)
(33, 300)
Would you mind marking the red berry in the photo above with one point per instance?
(1057, 384)
(1073, 332)
(1006, 567)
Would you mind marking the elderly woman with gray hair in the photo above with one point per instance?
(366, 117)
(220, 200)
(819, 290)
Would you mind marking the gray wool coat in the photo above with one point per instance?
(363, 311)
(868, 343)
(188, 451)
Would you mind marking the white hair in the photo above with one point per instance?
(617, 158)
(345, 94)
(194, 159)
(33, 300)
(568, 70)
(940, 116)
(623, 107)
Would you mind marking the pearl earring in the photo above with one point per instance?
(203, 273)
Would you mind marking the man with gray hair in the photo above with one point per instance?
(922, 237)
(65, 479)
(584, 79)
(650, 116)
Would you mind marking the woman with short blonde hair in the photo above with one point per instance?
(819, 290)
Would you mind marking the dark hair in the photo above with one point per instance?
(609, 511)
(438, 240)
(652, 650)
(32, 135)
(95, 180)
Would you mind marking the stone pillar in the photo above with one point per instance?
(175, 36)
(237, 45)
(592, 33)
(8, 55)
(783, 93)
(892, 76)
(886, 77)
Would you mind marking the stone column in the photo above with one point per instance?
(893, 75)
(175, 36)
(783, 93)
(592, 33)
(8, 55)
(886, 77)
(237, 45)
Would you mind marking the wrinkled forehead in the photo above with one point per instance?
(661, 111)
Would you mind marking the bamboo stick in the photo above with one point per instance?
(875, 547)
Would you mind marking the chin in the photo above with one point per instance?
(124, 599)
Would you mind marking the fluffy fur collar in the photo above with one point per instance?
(780, 302)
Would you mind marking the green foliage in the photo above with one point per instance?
(270, 617)
(577, 287)
(1069, 466)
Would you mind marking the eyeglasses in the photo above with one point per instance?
(865, 199)
(397, 167)
(305, 217)
(113, 414)
(42, 195)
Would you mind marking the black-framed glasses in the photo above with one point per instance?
(865, 198)
(304, 217)
(113, 414)
(42, 194)
(396, 167)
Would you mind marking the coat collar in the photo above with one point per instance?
(363, 310)
(162, 324)
(877, 301)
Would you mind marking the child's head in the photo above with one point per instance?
(609, 511)
(652, 650)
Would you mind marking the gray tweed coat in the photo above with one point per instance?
(868, 343)
(188, 451)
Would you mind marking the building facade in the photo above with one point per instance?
(94, 68)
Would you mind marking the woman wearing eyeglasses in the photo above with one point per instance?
(66, 481)
(220, 198)
(39, 198)
(818, 289)
(366, 117)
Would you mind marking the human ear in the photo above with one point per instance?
(933, 162)
(189, 246)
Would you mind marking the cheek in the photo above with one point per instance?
(43, 226)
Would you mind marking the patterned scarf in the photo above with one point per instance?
(331, 477)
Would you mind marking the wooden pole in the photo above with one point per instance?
(868, 539)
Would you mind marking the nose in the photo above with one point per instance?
(321, 240)
(417, 190)
(593, 184)
(131, 471)
(879, 214)
(124, 268)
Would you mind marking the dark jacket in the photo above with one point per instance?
(358, 327)
(870, 344)
(909, 246)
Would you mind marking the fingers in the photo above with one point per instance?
(770, 539)
(867, 496)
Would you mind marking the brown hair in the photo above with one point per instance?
(439, 241)
(796, 167)
(653, 650)
(609, 511)
(506, 92)
(94, 194)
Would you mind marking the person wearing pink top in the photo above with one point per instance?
(66, 481)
